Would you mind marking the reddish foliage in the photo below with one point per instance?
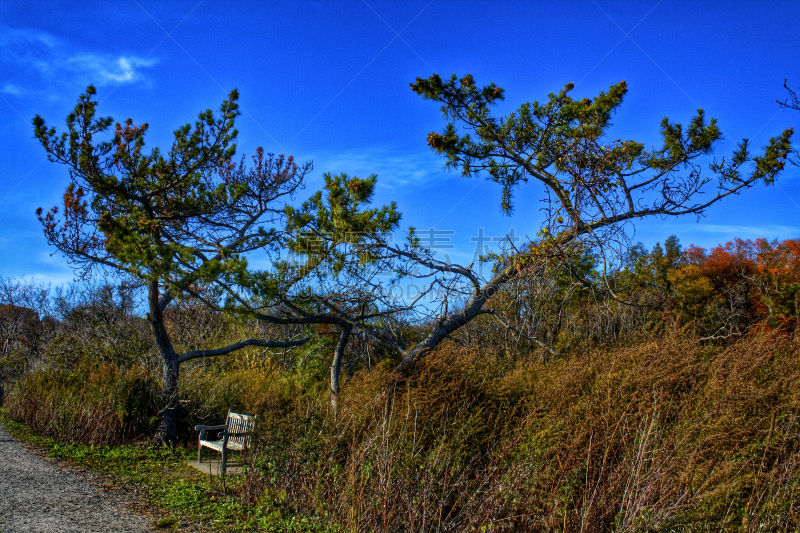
(771, 270)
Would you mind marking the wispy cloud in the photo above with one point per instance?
(38, 65)
(107, 69)
(13, 90)
(393, 167)
(53, 279)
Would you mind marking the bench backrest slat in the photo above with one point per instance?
(239, 423)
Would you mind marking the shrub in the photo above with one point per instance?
(95, 406)
(665, 434)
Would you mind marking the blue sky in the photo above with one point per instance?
(329, 82)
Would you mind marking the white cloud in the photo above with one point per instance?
(27, 36)
(38, 65)
(13, 90)
(770, 231)
(710, 235)
(53, 279)
(106, 70)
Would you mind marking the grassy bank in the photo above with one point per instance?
(663, 433)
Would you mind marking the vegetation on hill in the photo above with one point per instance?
(680, 413)
(584, 384)
(183, 221)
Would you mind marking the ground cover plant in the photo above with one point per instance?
(178, 496)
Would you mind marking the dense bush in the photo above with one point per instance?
(665, 434)
(94, 405)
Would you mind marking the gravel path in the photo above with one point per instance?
(37, 496)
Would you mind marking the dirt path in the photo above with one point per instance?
(37, 496)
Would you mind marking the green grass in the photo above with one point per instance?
(178, 492)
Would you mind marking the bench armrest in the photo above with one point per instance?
(203, 429)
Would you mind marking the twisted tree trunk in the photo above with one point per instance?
(449, 324)
(168, 425)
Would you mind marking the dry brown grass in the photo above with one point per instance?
(667, 434)
(663, 434)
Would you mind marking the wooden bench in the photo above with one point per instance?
(235, 435)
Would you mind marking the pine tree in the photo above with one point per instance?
(179, 222)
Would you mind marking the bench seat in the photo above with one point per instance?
(218, 444)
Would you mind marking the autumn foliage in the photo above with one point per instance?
(765, 275)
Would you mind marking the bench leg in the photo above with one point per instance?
(199, 453)
(224, 459)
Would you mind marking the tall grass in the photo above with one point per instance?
(665, 433)
(94, 405)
